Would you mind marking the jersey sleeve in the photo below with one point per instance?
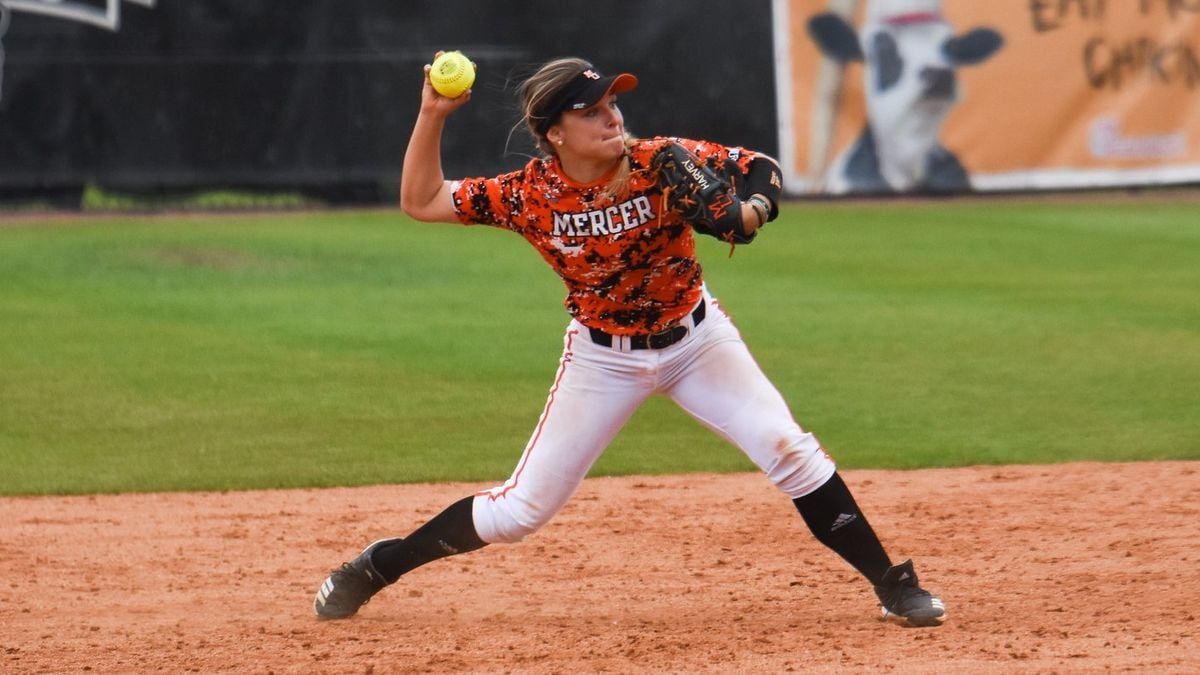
(488, 201)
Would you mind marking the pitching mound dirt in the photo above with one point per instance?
(1079, 567)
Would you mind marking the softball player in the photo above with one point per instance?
(607, 213)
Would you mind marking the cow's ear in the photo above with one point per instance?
(835, 37)
(974, 47)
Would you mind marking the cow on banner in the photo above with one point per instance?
(910, 55)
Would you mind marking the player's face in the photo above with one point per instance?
(596, 133)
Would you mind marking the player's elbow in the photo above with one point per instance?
(410, 209)
(433, 204)
(414, 209)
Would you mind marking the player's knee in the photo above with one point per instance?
(801, 465)
(507, 519)
(511, 531)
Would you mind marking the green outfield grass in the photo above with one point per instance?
(311, 349)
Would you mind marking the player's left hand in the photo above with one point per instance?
(703, 197)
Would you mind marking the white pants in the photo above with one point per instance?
(709, 373)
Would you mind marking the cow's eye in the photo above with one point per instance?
(889, 65)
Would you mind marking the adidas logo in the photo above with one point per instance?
(326, 589)
(842, 521)
(904, 576)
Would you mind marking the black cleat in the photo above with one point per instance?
(350, 586)
(905, 603)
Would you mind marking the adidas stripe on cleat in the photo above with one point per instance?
(351, 586)
(905, 603)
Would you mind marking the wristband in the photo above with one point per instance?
(761, 207)
(764, 179)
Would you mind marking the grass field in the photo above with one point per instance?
(311, 349)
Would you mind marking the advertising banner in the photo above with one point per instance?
(884, 96)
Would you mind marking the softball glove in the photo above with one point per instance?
(701, 196)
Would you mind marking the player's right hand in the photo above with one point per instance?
(433, 102)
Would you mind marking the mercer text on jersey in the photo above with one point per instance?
(609, 220)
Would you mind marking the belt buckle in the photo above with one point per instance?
(666, 337)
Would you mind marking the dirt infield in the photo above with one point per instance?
(1077, 567)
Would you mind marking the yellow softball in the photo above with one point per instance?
(452, 74)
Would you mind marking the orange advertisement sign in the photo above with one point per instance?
(880, 96)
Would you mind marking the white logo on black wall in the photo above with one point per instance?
(99, 13)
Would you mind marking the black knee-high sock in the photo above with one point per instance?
(450, 532)
(836, 521)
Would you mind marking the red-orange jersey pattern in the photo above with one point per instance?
(629, 265)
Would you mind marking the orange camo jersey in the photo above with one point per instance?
(629, 264)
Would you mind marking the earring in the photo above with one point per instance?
(560, 141)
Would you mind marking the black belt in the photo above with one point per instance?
(660, 340)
